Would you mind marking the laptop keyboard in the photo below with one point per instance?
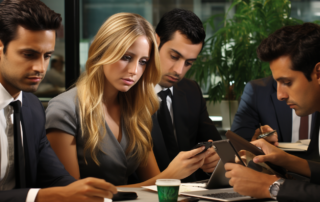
(225, 195)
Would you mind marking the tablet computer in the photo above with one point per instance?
(240, 143)
(227, 152)
(218, 178)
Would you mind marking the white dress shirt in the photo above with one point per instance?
(7, 111)
(296, 126)
(157, 89)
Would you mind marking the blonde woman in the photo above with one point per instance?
(101, 128)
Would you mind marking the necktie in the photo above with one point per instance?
(165, 122)
(18, 149)
(304, 126)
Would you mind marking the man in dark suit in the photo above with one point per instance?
(259, 105)
(292, 53)
(182, 120)
(27, 40)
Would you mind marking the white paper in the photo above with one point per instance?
(304, 142)
(184, 187)
(301, 145)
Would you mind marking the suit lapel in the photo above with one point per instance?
(313, 148)
(180, 117)
(159, 147)
(282, 112)
(28, 142)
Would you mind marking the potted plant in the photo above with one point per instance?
(228, 59)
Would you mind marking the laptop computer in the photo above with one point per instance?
(219, 188)
(218, 180)
(226, 194)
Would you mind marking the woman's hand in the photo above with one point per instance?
(273, 139)
(186, 163)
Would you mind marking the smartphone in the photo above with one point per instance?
(124, 195)
(207, 145)
(241, 144)
(226, 151)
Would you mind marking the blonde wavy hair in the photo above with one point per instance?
(137, 105)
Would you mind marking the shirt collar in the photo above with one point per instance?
(6, 98)
(158, 88)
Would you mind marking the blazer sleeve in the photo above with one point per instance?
(246, 119)
(295, 190)
(41, 159)
(16, 195)
(51, 171)
(61, 113)
(206, 129)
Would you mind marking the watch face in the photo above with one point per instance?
(275, 189)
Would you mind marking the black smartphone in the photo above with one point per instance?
(124, 195)
(207, 145)
(241, 144)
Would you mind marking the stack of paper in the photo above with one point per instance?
(301, 145)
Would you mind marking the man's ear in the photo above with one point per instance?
(1, 49)
(158, 39)
(317, 71)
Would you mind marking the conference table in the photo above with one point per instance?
(145, 195)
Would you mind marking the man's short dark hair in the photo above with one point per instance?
(300, 42)
(183, 21)
(30, 14)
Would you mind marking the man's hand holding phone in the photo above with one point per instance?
(212, 159)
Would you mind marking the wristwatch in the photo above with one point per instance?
(275, 187)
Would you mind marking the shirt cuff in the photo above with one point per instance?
(32, 194)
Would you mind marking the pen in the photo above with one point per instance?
(266, 134)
